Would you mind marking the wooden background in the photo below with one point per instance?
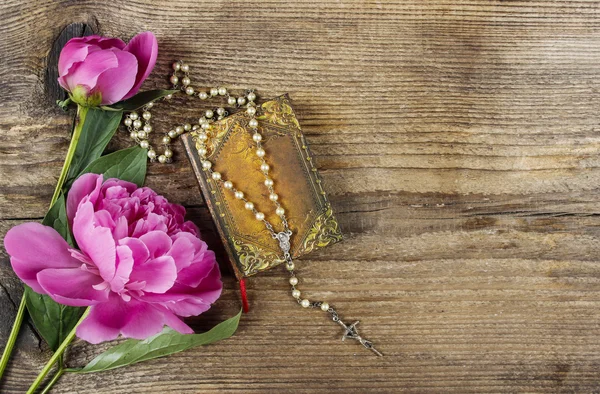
(459, 143)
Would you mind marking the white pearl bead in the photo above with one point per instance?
(179, 130)
(290, 266)
(249, 205)
(202, 151)
(176, 66)
(206, 126)
(206, 164)
(216, 176)
(227, 185)
(166, 139)
(260, 216)
(264, 167)
(142, 134)
(185, 81)
(253, 123)
(187, 127)
(174, 79)
(222, 91)
(280, 211)
(137, 123)
(144, 144)
(128, 122)
(203, 95)
(324, 307)
(133, 115)
(293, 281)
(305, 303)
(260, 152)
(168, 153)
(172, 134)
(296, 293)
(251, 96)
(257, 137)
(189, 90)
(150, 104)
(273, 197)
(268, 182)
(147, 128)
(202, 136)
(241, 100)
(214, 91)
(221, 111)
(209, 114)
(162, 159)
(133, 135)
(169, 96)
(146, 115)
(231, 100)
(151, 154)
(239, 195)
(185, 68)
(251, 111)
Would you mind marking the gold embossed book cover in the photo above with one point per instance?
(250, 246)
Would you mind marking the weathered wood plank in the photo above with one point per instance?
(458, 141)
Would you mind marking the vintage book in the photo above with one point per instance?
(249, 244)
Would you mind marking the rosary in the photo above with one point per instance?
(140, 128)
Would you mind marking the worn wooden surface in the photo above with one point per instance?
(459, 143)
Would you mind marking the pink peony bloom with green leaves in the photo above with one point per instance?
(101, 71)
(139, 265)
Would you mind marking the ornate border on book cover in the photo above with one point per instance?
(324, 231)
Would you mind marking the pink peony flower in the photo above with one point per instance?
(100, 71)
(139, 264)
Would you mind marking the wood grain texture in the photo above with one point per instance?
(459, 144)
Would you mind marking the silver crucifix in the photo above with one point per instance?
(352, 333)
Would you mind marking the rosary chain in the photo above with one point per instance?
(140, 128)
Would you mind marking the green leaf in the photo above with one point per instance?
(57, 219)
(141, 99)
(126, 164)
(98, 128)
(167, 342)
(52, 320)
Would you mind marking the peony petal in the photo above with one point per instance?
(34, 247)
(145, 48)
(187, 301)
(107, 42)
(86, 185)
(72, 286)
(123, 270)
(157, 242)
(175, 322)
(133, 319)
(74, 51)
(111, 182)
(96, 242)
(115, 83)
(197, 271)
(159, 274)
(138, 249)
(182, 251)
(87, 72)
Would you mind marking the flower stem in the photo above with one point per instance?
(79, 120)
(12, 337)
(81, 114)
(55, 378)
(58, 354)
